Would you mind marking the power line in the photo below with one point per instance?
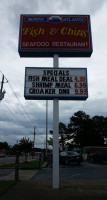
(13, 101)
(18, 100)
(9, 110)
(15, 117)
(25, 112)
(20, 103)
(17, 107)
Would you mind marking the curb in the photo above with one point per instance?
(23, 174)
(44, 165)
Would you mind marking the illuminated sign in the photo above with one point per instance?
(45, 35)
(62, 83)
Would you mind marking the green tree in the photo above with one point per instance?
(100, 124)
(16, 148)
(83, 130)
(26, 146)
(63, 135)
(105, 127)
(4, 145)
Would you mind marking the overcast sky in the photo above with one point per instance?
(18, 120)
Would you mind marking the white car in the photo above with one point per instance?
(2, 155)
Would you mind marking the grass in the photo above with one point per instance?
(5, 185)
(30, 165)
(10, 165)
(24, 165)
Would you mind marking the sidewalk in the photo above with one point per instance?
(69, 190)
(23, 175)
(27, 189)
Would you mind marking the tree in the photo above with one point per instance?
(50, 141)
(77, 126)
(26, 146)
(63, 135)
(4, 145)
(100, 124)
(105, 127)
(83, 130)
(16, 148)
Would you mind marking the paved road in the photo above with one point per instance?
(5, 172)
(12, 159)
(84, 171)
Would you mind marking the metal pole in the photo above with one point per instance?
(46, 124)
(2, 83)
(34, 137)
(17, 167)
(55, 134)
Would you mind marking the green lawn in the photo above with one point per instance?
(24, 165)
(30, 165)
(5, 185)
(7, 165)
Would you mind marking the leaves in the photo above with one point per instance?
(26, 144)
(82, 130)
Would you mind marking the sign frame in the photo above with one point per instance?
(52, 97)
(49, 52)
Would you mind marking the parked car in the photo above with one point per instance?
(99, 156)
(69, 157)
(2, 155)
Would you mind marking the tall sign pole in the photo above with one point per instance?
(46, 127)
(55, 36)
(55, 134)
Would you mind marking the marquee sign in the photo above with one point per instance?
(45, 35)
(62, 83)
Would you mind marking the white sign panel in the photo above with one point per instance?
(50, 83)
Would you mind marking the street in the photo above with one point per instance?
(12, 159)
(87, 181)
(84, 171)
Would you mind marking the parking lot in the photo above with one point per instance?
(12, 159)
(84, 171)
(84, 181)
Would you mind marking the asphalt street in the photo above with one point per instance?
(87, 181)
(12, 159)
(84, 171)
(5, 172)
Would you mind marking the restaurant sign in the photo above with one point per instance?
(45, 35)
(61, 83)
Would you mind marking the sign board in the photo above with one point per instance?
(61, 83)
(45, 35)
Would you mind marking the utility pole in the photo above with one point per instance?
(1, 90)
(34, 137)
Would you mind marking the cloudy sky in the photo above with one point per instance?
(18, 116)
